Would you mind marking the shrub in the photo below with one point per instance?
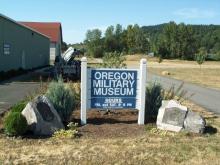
(217, 56)
(178, 93)
(160, 59)
(19, 107)
(200, 56)
(113, 60)
(72, 131)
(61, 134)
(76, 93)
(62, 98)
(15, 124)
(153, 101)
(155, 94)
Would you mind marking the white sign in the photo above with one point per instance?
(113, 89)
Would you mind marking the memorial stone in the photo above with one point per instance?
(42, 117)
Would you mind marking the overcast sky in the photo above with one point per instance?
(77, 16)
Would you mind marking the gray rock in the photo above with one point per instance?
(42, 117)
(194, 123)
(171, 116)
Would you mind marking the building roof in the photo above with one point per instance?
(51, 29)
(22, 25)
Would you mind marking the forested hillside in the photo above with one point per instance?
(168, 40)
(183, 41)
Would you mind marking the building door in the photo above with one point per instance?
(23, 64)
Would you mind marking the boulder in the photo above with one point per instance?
(42, 117)
(165, 73)
(171, 116)
(194, 123)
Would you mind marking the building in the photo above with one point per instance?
(21, 46)
(54, 31)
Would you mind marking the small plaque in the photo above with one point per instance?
(174, 116)
(45, 111)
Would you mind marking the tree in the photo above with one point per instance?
(168, 40)
(141, 42)
(119, 38)
(137, 40)
(94, 44)
(162, 48)
(187, 41)
(114, 40)
(171, 38)
(130, 39)
(160, 59)
(93, 35)
(217, 56)
(110, 41)
(177, 41)
(200, 57)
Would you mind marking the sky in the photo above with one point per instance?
(77, 16)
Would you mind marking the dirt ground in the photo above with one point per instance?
(102, 124)
(112, 124)
(117, 123)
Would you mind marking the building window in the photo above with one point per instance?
(7, 49)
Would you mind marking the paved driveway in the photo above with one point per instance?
(13, 92)
(205, 97)
(16, 89)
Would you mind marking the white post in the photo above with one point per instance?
(143, 72)
(83, 90)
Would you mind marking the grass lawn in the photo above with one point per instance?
(206, 76)
(152, 148)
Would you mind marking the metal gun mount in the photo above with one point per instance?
(67, 66)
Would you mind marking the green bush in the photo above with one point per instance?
(76, 89)
(217, 56)
(72, 131)
(62, 98)
(113, 60)
(155, 94)
(15, 124)
(19, 107)
(153, 101)
(201, 56)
